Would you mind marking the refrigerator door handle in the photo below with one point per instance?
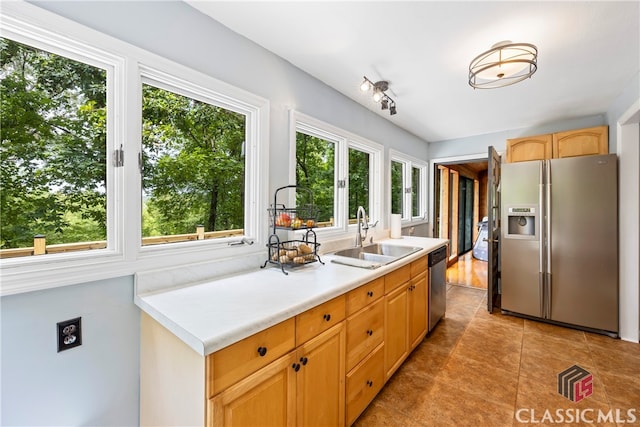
(541, 239)
(548, 238)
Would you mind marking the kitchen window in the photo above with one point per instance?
(341, 169)
(96, 131)
(56, 127)
(316, 171)
(408, 179)
(203, 166)
(193, 168)
(359, 181)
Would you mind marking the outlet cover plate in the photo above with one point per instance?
(69, 334)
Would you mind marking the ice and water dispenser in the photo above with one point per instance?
(521, 222)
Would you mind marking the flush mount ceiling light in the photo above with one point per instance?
(379, 95)
(504, 64)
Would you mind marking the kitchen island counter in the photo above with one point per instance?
(211, 314)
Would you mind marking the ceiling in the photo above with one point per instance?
(588, 53)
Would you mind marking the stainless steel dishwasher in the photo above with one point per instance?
(437, 285)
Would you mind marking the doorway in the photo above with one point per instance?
(466, 197)
(460, 203)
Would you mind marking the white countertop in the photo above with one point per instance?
(213, 314)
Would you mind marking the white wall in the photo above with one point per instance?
(97, 383)
(624, 116)
(93, 384)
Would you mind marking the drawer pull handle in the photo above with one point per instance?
(296, 367)
(370, 293)
(370, 383)
(327, 317)
(369, 332)
(303, 360)
(262, 351)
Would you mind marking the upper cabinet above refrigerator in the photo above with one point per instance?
(578, 142)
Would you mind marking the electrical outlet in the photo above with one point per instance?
(69, 334)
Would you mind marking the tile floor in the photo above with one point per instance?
(481, 369)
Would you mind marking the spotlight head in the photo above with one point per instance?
(377, 95)
(365, 85)
(392, 109)
(384, 103)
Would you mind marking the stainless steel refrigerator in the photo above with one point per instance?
(559, 241)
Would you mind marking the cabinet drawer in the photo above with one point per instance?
(365, 331)
(229, 365)
(319, 319)
(396, 278)
(363, 383)
(365, 294)
(419, 266)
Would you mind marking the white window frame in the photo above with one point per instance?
(254, 227)
(408, 164)
(299, 122)
(126, 64)
(26, 273)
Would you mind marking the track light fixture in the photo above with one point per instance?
(379, 95)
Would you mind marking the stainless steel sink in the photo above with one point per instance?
(373, 256)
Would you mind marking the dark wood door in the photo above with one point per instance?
(493, 234)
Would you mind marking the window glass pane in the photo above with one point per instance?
(53, 153)
(415, 191)
(358, 181)
(397, 188)
(315, 170)
(194, 169)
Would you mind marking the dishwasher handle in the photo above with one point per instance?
(437, 256)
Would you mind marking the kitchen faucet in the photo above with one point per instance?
(361, 216)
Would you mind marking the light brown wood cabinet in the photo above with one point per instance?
(581, 142)
(539, 147)
(267, 397)
(237, 361)
(578, 142)
(418, 306)
(320, 379)
(321, 367)
(365, 342)
(365, 331)
(364, 382)
(304, 387)
(406, 311)
(396, 334)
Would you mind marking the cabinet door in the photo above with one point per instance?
(320, 379)
(418, 309)
(396, 330)
(529, 148)
(265, 398)
(581, 142)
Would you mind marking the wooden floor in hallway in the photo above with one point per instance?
(468, 271)
(480, 369)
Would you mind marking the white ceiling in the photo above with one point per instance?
(588, 53)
